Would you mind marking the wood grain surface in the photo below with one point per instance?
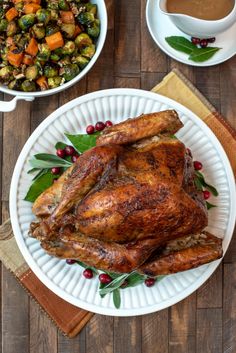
(205, 321)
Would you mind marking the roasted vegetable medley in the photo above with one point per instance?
(44, 43)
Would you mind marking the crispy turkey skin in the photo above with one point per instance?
(125, 199)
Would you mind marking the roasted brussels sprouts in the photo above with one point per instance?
(31, 72)
(44, 52)
(86, 18)
(3, 25)
(26, 21)
(11, 29)
(83, 40)
(39, 30)
(15, 84)
(6, 73)
(63, 5)
(19, 5)
(43, 16)
(70, 71)
(92, 8)
(54, 82)
(68, 48)
(81, 61)
(94, 29)
(51, 29)
(53, 5)
(28, 86)
(88, 51)
(54, 57)
(50, 70)
(54, 15)
(68, 29)
(64, 61)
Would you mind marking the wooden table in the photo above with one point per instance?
(205, 321)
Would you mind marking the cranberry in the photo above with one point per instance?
(197, 165)
(70, 261)
(189, 152)
(206, 194)
(211, 40)
(195, 40)
(56, 170)
(74, 158)
(108, 123)
(100, 126)
(88, 273)
(104, 278)
(69, 150)
(204, 43)
(61, 153)
(90, 129)
(149, 282)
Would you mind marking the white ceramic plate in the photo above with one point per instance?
(160, 26)
(117, 105)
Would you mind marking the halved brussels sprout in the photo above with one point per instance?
(44, 52)
(11, 28)
(68, 29)
(81, 61)
(54, 82)
(3, 25)
(31, 73)
(68, 48)
(50, 70)
(51, 29)
(43, 16)
(26, 21)
(94, 29)
(83, 40)
(70, 71)
(85, 18)
(28, 86)
(6, 73)
(15, 84)
(88, 51)
(39, 30)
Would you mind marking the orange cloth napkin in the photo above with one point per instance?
(67, 317)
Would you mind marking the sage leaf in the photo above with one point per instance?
(83, 142)
(181, 44)
(41, 172)
(39, 185)
(210, 205)
(41, 161)
(95, 271)
(60, 145)
(116, 283)
(135, 279)
(116, 298)
(203, 182)
(203, 54)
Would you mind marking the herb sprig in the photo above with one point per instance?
(195, 53)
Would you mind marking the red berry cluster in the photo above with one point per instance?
(62, 153)
(99, 126)
(198, 166)
(202, 42)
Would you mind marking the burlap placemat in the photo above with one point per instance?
(67, 317)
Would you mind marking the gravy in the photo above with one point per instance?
(203, 9)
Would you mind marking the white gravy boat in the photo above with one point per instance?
(196, 27)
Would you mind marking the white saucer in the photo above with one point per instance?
(160, 26)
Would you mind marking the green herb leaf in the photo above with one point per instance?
(60, 145)
(45, 160)
(210, 205)
(82, 142)
(33, 170)
(95, 271)
(116, 298)
(203, 182)
(41, 172)
(39, 185)
(181, 44)
(116, 283)
(198, 183)
(203, 54)
(135, 279)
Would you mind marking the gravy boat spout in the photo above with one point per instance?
(196, 27)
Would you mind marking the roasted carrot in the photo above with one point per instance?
(14, 57)
(31, 8)
(42, 82)
(11, 14)
(32, 47)
(67, 17)
(28, 60)
(77, 31)
(55, 40)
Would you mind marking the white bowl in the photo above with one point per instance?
(29, 96)
(117, 105)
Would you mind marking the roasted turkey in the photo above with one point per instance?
(130, 203)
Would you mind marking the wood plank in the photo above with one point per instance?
(229, 311)
(15, 309)
(207, 80)
(182, 326)
(43, 332)
(153, 59)
(128, 335)
(209, 331)
(73, 92)
(41, 108)
(151, 79)
(99, 335)
(127, 82)
(209, 294)
(155, 332)
(127, 37)
(72, 345)
(187, 70)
